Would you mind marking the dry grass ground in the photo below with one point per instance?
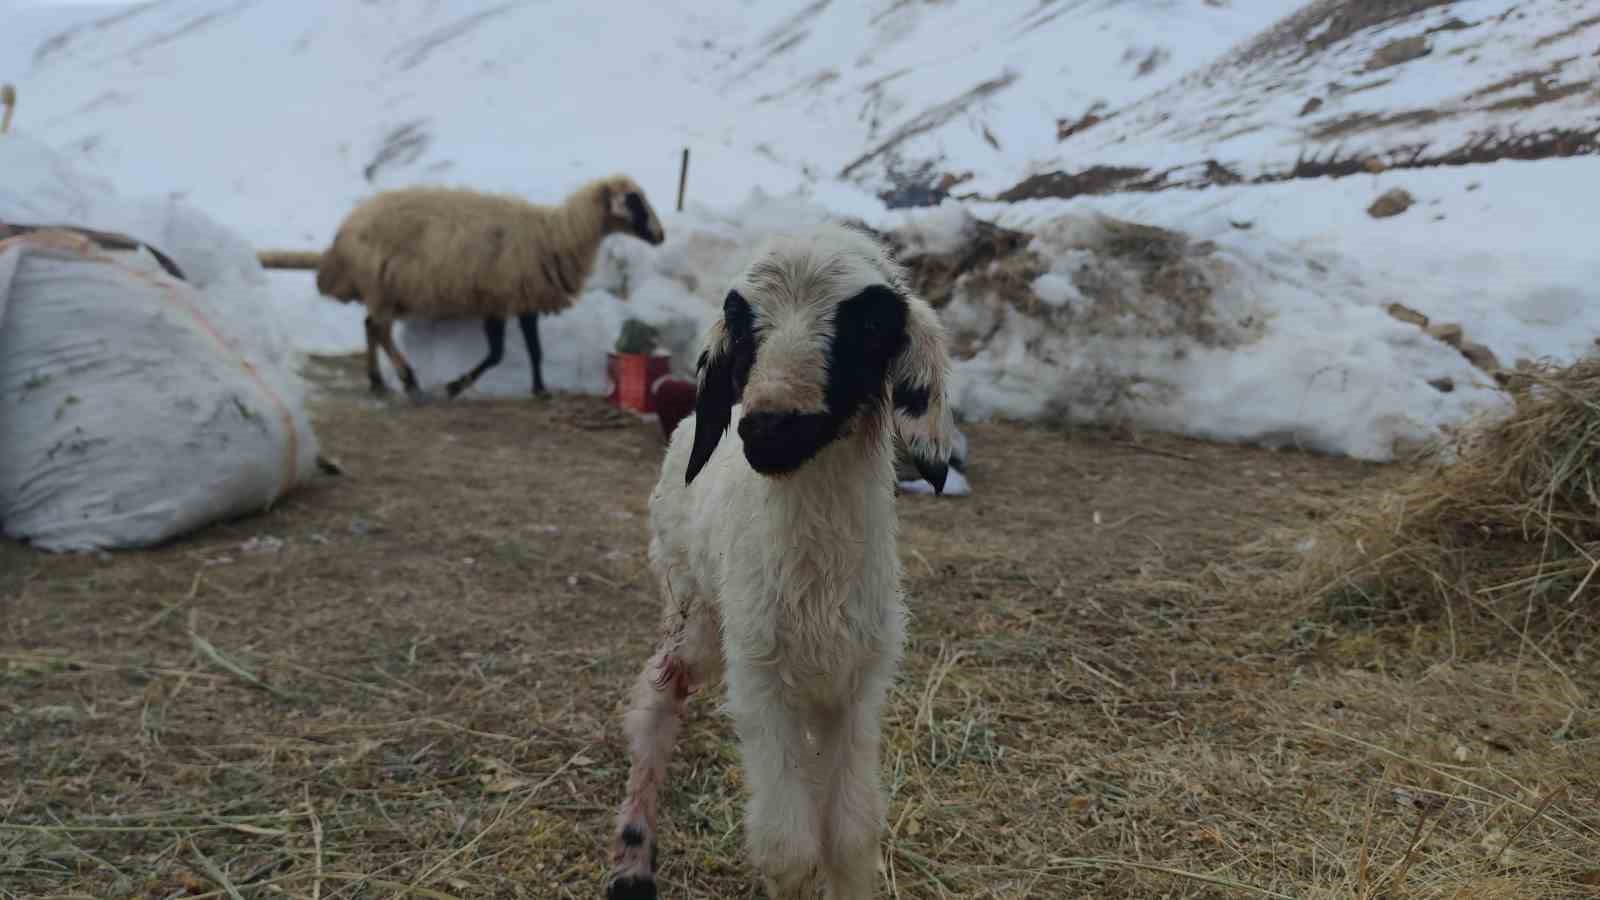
(405, 683)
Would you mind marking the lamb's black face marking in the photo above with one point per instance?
(639, 219)
(913, 401)
(869, 331)
(742, 340)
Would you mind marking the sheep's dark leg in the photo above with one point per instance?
(495, 331)
(374, 374)
(530, 333)
(382, 331)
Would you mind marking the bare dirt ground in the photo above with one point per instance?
(416, 693)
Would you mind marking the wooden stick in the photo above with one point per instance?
(683, 177)
(289, 259)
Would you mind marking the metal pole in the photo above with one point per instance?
(683, 178)
(8, 99)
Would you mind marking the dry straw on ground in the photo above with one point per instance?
(1504, 520)
(406, 682)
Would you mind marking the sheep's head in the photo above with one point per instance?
(820, 338)
(629, 212)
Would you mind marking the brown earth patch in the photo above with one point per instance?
(446, 633)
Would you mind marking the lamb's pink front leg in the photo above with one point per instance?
(660, 699)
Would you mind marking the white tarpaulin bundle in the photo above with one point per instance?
(127, 415)
(135, 406)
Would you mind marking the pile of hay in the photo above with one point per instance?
(1504, 515)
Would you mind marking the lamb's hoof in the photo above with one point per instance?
(633, 870)
(378, 388)
(539, 393)
(454, 388)
(632, 887)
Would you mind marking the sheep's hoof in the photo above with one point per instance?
(632, 887)
(455, 388)
(540, 393)
(633, 875)
(378, 388)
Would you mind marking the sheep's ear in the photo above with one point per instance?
(713, 402)
(921, 411)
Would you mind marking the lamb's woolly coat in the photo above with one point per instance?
(803, 568)
(788, 586)
(451, 253)
(802, 572)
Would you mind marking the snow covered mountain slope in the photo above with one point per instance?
(276, 116)
(1345, 86)
(966, 88)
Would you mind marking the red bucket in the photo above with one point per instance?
(631, 375)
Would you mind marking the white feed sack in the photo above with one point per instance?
(135, 408)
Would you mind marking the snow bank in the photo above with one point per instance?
(1502, 249)
(1275, 333)
(1226, 339)
(316, 323)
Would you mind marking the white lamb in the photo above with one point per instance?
(778, 564)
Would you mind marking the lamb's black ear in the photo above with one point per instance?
(921, 414)
(713, 402)
(935, 471)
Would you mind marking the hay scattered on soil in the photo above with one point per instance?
(1504, 518)
(406, 682)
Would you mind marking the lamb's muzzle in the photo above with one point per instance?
(773, 542)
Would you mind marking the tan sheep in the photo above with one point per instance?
(450, 253)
